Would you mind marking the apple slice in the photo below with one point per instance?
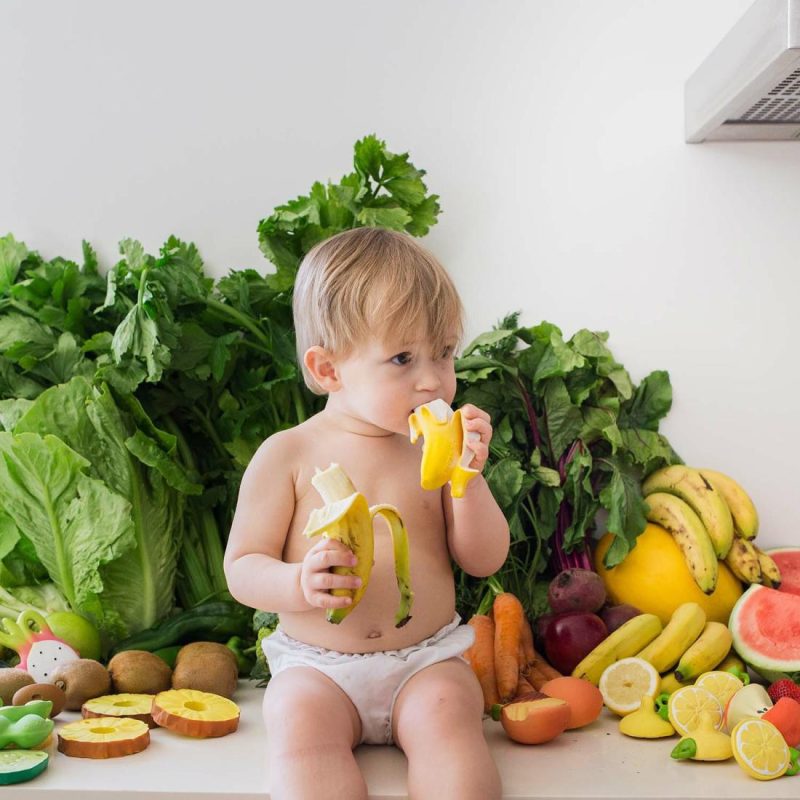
(103, 737)
(194, 713)
(536, 720)
(129, 706)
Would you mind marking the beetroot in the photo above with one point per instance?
(615, 616)
(576, 590)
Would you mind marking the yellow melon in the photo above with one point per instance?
(654, 578)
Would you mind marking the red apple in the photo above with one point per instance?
(570, 637)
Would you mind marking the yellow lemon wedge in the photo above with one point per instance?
(760, 749)
(625, 682)
(686, 707)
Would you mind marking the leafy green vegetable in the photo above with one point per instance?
(76, 524)
(573, 436)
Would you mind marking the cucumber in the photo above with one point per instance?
(17, 766)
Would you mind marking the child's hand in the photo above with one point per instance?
(481, 423)
(316, 578)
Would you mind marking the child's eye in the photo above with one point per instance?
(448, 352)
(401, 359)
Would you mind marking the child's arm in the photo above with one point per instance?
(256, 574)
(477, 530)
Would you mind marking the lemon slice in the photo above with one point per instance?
(723, 685)
(760, 749)
(625, 682)
(687, 705)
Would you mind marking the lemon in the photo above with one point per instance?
(686, 707)
(760, 749)
(723, 685)
(625, 682)
(655, 562)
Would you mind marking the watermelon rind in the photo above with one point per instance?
(771, 669)
(18, 766)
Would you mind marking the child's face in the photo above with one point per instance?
(383, 382)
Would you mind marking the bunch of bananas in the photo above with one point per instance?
(712, 519)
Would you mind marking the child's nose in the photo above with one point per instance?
(428, 380)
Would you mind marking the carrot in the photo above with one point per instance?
(523, 686)
(527, 643)
(481, 658)
(536, 677)
(545, 668)
(508, 616)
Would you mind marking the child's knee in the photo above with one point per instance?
(307, 712)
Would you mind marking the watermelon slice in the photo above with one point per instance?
(765, 625)
(788, 561)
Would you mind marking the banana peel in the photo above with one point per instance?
(445, 455)
(348, 518)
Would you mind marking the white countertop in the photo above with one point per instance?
(593, 762)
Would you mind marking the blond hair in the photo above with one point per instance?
(371, 282)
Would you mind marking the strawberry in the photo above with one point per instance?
(784, 688)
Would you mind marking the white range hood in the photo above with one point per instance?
(749, 86)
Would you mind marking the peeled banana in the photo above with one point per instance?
(445, 455)
(677, 517)
(713, 644)
(348, 518)
(742, 508)
(690, 486)
(684, 626)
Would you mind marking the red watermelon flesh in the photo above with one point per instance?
(788, 561)
(765, 625)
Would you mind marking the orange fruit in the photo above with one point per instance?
(654, 578)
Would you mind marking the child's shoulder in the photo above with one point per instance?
(287, 447)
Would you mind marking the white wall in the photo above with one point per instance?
(552, 130)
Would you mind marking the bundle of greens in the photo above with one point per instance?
(572, 436)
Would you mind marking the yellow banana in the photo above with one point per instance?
(710, 648)
(684, 626)
(690, 485)
(770, 573)
(743, 561)
(677, 517)
(670, 684)
(625, 641)
(347, 518)
(445, 455)
(742, 508)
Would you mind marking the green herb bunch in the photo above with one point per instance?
(572, 436)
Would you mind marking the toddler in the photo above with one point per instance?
(378, 321)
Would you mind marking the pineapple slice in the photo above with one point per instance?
(195, 713)
(130, 706)
(103, 737)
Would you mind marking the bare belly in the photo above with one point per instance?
(370, 627)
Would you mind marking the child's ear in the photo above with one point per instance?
(322, 366)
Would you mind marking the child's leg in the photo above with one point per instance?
(437, 721)
(312, 728)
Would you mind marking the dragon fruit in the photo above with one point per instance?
(40, 651)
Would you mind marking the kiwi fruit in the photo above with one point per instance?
(11, 680)
(42, 691)
(206, 667)
(139, 672)
(81, 680)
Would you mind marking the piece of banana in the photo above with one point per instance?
(684, 626)
(711, 647)
(742, 508)
(445, 455)
(677, 517)
(770, 573)
(348, 518)
(627, 640)
(743, 561)
(690, 485)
